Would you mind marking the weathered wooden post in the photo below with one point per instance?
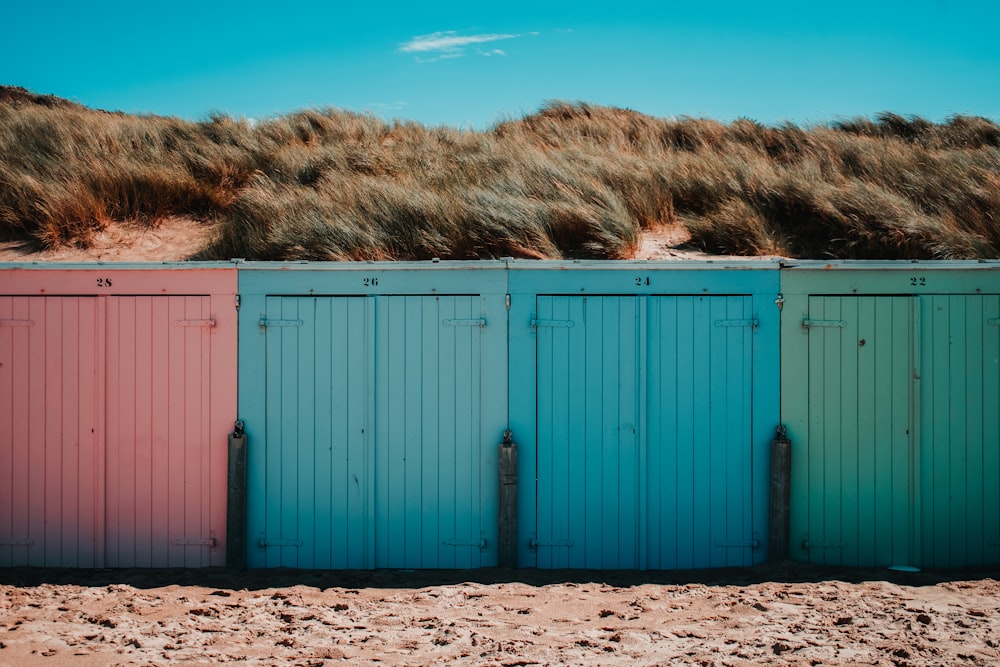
(781, 485)
(236, 500)
(508, 501)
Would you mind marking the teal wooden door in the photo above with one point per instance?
(318, 469)
(589, 378)
(960, 430)
(429, 452)
(854, 497)
(700, 451)
(644, 431)
(374, 448)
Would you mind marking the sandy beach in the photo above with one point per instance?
(790, 614)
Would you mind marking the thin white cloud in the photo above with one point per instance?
(449, 44)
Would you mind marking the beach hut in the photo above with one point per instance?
(644, 398)
(891, 395)
(374, 397)
(117, 393)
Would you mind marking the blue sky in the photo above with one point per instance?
(471, 64)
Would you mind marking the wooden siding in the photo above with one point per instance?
(646, 424)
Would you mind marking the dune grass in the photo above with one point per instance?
(571, 181)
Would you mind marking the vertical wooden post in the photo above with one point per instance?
(508, 501)
(781, 484)
(236, 501)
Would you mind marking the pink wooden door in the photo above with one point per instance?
(112, 433)
(165, 469)
(50, 502)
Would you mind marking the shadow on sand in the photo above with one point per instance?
(784, 572)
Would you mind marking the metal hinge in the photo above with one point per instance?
(17, 323)
(806, 544)
(507, 301)
(280, 323)
(264, 543)
(194, 323)
(807, 323)
(551, 323)
(237, 297)
(16, 542)
(534, 543)
(464, 323)
(993, 321)
(480, 544)
(745, 544)
(738, 323)
(194, 542)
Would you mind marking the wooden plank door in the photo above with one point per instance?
(699, 462)
(430, 497)
(589, 356)
(854, 499)
(960, 431)
(50, 494)
(644, 431)
(318, 481)
(374, 437)
(165, 472)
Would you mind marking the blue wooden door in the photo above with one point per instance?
(644, 431)
(699, 465)
(429, 499)
(588, 419)
(374, 448)
(853, 496)
(318, 450)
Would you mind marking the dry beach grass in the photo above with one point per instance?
(572, 181)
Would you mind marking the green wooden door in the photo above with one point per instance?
(960, 429)
(856, 470)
